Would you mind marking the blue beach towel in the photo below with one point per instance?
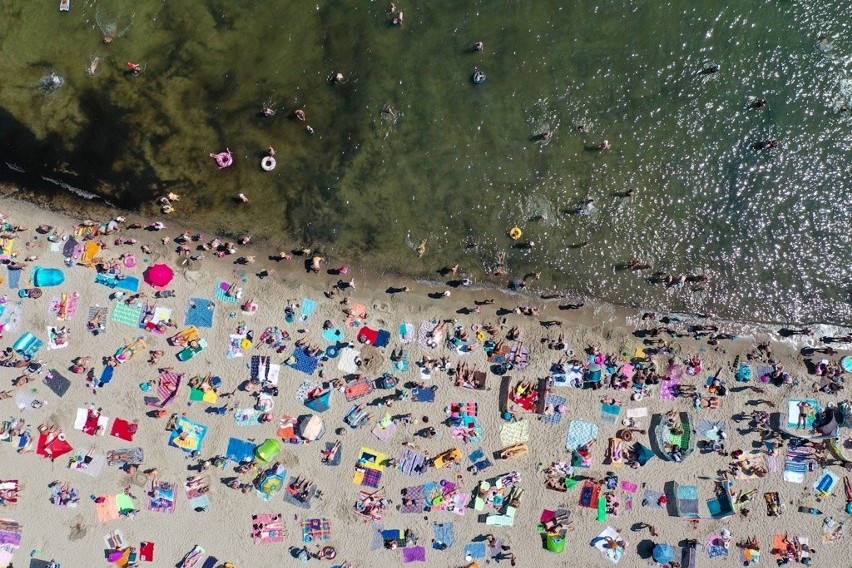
(580, 433)
(107, 375)
(240, 450)
(301, 361)
(423, 395)
(14, 277)
(308, 307)
(129, 283)
(444, 533)
(200, 313)
(475, 550)
(553, 402)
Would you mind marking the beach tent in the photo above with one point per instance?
(159, 275)
(643, 453)
(663, 553)
(320, 403)
(47, 276)
(267, 451)
(311, 427)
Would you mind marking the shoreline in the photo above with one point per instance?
(265, 249)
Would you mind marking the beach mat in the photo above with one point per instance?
(222, 293)
(57, 383)
(199, 313)
(15, 277)
(444, 533)
(127, 315)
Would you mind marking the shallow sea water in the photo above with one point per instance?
(455, 163)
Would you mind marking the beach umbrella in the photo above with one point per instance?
(311, 428)
(663, 553)
(159, 275)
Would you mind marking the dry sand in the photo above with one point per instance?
(224, 530)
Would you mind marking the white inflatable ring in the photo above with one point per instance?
(268, 163)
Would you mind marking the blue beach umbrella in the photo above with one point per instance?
(663, 553)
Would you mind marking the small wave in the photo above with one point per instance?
(15, 168)
(75, 190)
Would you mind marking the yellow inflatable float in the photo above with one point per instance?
(515, 233)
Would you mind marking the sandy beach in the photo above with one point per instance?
(479, 374)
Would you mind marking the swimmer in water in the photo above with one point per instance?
(299, 114)
(759, 104)
(767, 144)
(710, 69)
(478, 46)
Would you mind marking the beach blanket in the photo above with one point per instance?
(519, 356)
(162, 497)
(247, 417)
(15, 277)
(413, 554)
(422, 395)
(90, 422)
(188, 435)
(413, 499)
(64, 307)
(167, 389)
(10, 317)
(302, 361)
(407, 333)
(716, 546)
(56, 383)
(222, 293)
(240, 451)
(267, 528)
(652, 499)
(125, 456)
(589, 494)
(669, 388)
(793, 413)
(56, 338)
(128, 315)
(358, 389)
(106, 508)
(826, 483)
(476, 550)
(99, 314)
(796, 464)
(123, 429)
(514, 433)
(412, 462)
(580, 433)
(747, 464)
(308, 308)
(552, 415)
(610, 413)
(89, 463)
(443, 534)
(427, 336)
(199, 313)
(347, 363)
(197, 488)
(385, 430)
(306, 386)
(601, 541)
(316, 530)
(160, 315)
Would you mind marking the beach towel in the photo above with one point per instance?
(334, 335)
(99, 314)
(222, 293)
(600, 542)
(10, 317)
(106, 375)
(793, 412)
(368, 335)
(580, 433)
(422, 395)
(89, 463)
(129, 283)
(90, 422)
(54, 340)
(123, 429)
(414, 554)
(427, 336)
(167, 389)
(146, 551)
(160, 315)
(127, 315)
(247, 417)
(444, 533)
(358, 389)
(57, 383)
(199, 313)
(716, 546)
(302, 361)
(475, 550)
(268, 528)
(552, 415)
(826, 483)
(240, 451)
(385, 433)
(192, 557)
(669, 389)
(15, 277)
(371, 478)
(308, 308)
(197, 488)
(162, 497)
(348, 361)
(514, 433)
(589, 494)
(610, 413)
(652, 499)
(125, 456)
(413, 499)
(407, 333)
(188, 435)
(796, 464)
(316, 530)
(106, 508)
(412, 462)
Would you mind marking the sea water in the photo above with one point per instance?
(408, 149)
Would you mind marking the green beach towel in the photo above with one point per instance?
(601, 509)
(128, 315)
